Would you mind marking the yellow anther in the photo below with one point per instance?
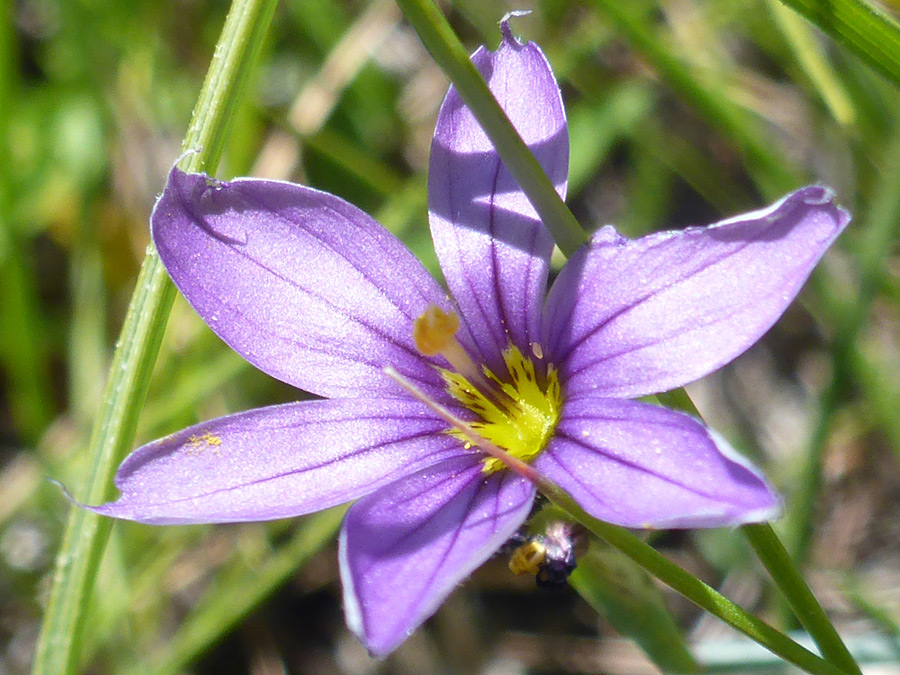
(516, 414)
(434, 331)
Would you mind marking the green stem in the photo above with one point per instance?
(784, 572)
(114, 429)
(801, 599)
(449, 53)
(693, 589)
(622, 592)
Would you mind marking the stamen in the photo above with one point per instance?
(435, 333)
(496, 452)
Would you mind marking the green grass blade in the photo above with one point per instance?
(227, 604)
(449, 53)
(812, 59)
(864, 29)
(126, 389)
(807, 609)
(624, 594)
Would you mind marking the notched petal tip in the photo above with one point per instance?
(192, 198)
(821, 196)
(815, 195)
(65, 491)
(196, 150)
(508, 37)
(824, 198)
(607, 235)
(111, 509)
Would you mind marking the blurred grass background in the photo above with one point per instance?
(681, 112)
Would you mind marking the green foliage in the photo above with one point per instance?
(680, 113)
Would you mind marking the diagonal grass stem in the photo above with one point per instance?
(58, 648)
(449, 53)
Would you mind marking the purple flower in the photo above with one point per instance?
(312, 291)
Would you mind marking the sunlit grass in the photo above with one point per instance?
(680, 112)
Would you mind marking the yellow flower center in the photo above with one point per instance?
(518, 411)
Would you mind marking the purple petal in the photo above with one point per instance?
(404, 548)
(492, 247)
(278, 462)
(627, 317)
(302, 284)
(638, 465)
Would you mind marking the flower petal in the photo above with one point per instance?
(627, 317)
(639, 465)
(492, 247)
(278, 462)
(302, 284)
(404, 548)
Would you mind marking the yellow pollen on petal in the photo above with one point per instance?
(197, 444)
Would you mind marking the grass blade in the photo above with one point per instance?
(85, 534)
